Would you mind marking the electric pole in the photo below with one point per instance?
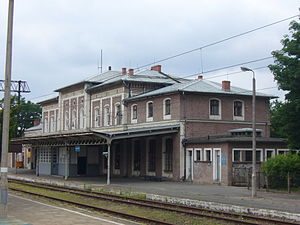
(6, 115)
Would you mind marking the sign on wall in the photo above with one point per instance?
(77, 148)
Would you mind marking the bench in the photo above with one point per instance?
(155, 178)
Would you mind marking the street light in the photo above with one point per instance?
(245, 69)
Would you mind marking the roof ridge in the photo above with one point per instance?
(190, 83)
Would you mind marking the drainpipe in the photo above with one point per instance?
(184, 117)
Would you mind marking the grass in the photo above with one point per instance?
(171, 217)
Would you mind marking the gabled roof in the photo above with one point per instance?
(38, 127)
(198, 86)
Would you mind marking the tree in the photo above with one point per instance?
(22, 116)
(286, 116)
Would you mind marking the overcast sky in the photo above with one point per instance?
(58, 42)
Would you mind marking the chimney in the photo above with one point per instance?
(200, 77)
(123, 71)
(109, 67)
(226, 85)
(36, 123)
(130, 72)
(156, 68)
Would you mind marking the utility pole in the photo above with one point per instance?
(6, 115)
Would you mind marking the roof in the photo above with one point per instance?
(230, 138)
(49, 100)
(38, 127)
(244, 130)
(199, 86)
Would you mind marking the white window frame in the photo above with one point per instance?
(243, 110)
(205, 157)
(116, 115)
(247, 149)
(282, 150)
(166, 117)
(97, 116)
(52, 123)
(215, 117)
(196, 150)
(149, 119)
(269, 149)
(74, 119)
(106, 116)
(134, 120)
(82, 118)
(233, 150)
(46, 127)
(66, 120)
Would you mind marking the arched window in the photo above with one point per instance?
(67, 120)
(82, 119)
(149, 111)
(97, 117)
(118, 114)
(214, 109)
(74, 119)
(106, 116)
(238, 108)
(167, 108)
(134, 113)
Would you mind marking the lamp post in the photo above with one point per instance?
(253, 194)
(6, 115)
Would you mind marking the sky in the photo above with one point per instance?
(58, 42)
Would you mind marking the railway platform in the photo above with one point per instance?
(228, 197)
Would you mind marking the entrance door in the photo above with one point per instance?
(81, 165)
(217, 165)
(189, 164)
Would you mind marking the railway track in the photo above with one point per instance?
(192, 211)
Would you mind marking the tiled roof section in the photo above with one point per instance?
(199, 86)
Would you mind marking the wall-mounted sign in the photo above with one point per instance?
(77, 148)
(223, 160)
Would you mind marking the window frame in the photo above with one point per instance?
(81, 118)
(97, 116)
(134, 119)
(205, 155)
(198, 152)
(149, 117)
(118, 118)
(106, 116)
(215, 116)
(237, 117)
(166, 116)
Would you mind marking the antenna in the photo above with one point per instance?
(100, 67)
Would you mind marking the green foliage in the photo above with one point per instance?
(285, 117)
(278, 167)
(22, 116)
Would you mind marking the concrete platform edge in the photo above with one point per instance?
(188, 202)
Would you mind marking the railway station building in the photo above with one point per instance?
(150, 124)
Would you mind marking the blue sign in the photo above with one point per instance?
(223, 160)
(77, 148)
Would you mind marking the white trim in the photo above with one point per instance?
(166, 117)
(149, 119)
(215, 150)
(188, 150)
(205, 156)
(215, 117)
(272, 155)
(243, 110)
(131, 112)
(200, 152)
(249, 149)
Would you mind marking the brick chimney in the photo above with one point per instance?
(226, 85)
(124, 71)
(36, 123)
(200, 77)
(130, 72)
(156, 68)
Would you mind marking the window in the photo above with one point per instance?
(106, 116)
(249, 153)
(67, 120)
(269, 153)
(97, 117)
(169, 155)
(167, 109)
(207, 154)
(74, 119)
(152, 156)
(237, 156)
(149, 111)
(238, 108)
(118, 116)
(214, 109)
(52, 123)
(82, 119)
(46, 126)
(198, 155)
(134, 113)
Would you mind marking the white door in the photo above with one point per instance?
(189, 164)
(217, 165)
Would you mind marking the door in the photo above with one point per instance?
(81, 165)
(189, 164)
(217, 165)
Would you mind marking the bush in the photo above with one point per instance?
(277, 169)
